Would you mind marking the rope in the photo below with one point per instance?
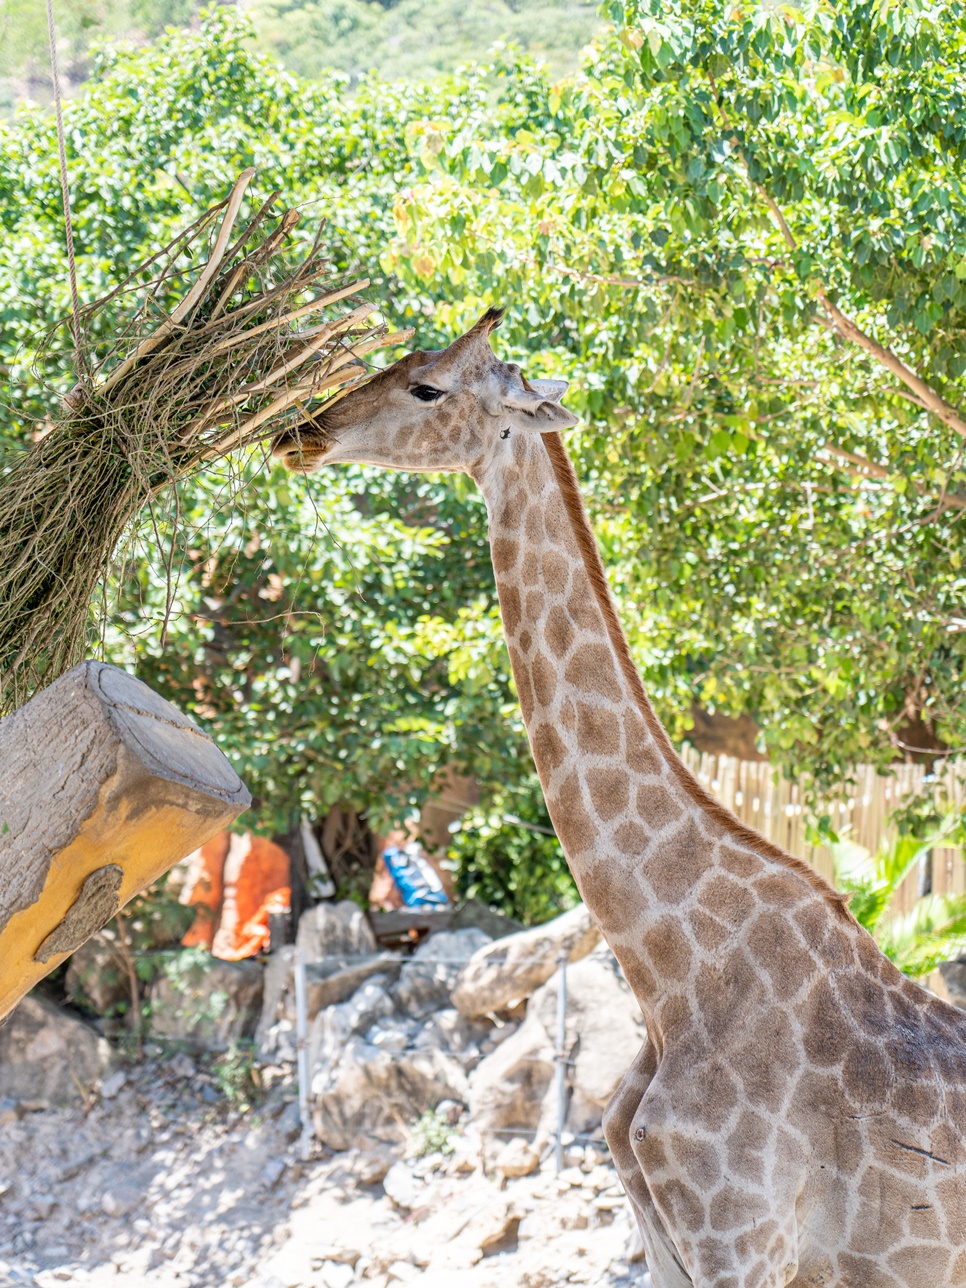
(65, 193)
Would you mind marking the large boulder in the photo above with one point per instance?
(206, 1003)
(326, 984)
(371, 1096)
(426, 983)
(511, 969)
(513, 1088)
(371, 1075)
(48, 1057)
(335, 930)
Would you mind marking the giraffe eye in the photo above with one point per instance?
(426, 393)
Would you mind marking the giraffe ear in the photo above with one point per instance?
(553, 390)
(535, 413)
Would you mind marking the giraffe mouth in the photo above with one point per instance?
(300, 455)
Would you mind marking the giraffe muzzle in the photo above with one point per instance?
(298, 454)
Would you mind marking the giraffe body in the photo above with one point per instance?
(798, 1114)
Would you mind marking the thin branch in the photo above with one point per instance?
(844, 325)
(627, 283)
(864, 468)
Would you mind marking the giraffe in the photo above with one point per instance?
(798, 1112)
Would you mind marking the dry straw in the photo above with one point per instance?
(256, 341)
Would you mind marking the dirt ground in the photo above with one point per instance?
(156, 1183)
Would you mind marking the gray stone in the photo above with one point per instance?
(448, 1031)
(426, 983)
(326, 984)
(207, 1003)
(331, 1028)
(511, 969)
(96, 977)
(112, 1085)
(48, 1057)
(513, 1087)
(954, 977)
(368, 1097)
(335, 930)
(474, 912)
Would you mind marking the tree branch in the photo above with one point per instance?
(846, 326)
(865, 468)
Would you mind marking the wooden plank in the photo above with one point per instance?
(103, 787)
(390, 925)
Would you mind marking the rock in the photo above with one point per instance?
(954, 977)
(326, 984)
(331, 1028)
(342, 1254)
(271, 1042)
(474, 912)
(368, 1097)
(112, 1085)
(449, 1031)
(512, 968)
(96, 977)
(206, 1002)
(120, 1200)
(272, 1171)
(370, 1165)
(495, 1228)
(513, 1087)
(336, 1274)
(403, 1188)
(516, 1158)
(508, 1088)
(425, 983)
(605, 1028)
(48, 1057)
(335, 930)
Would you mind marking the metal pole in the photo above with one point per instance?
(302, 1053)
(561, 1055)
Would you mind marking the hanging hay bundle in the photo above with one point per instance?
(255, 340)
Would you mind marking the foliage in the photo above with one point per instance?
(307, 626)
(632, 228)
(507, 855)
(411, 38)
(432, 1133)
(757, 566)
(237, 1077)
(935, 929)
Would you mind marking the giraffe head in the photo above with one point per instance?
(447, 411)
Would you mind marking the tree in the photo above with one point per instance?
(780, 520)
(329, 633)
(730, 229)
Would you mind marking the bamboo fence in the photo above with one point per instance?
(775, 807)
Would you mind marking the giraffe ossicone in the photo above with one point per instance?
(798, 1113)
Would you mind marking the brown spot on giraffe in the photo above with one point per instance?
(609, 791)
(558, 632)
(542, 674)
(658, 806)
(598, 730)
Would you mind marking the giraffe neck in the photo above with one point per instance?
(654, 857)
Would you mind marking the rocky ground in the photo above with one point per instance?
(155, 1179)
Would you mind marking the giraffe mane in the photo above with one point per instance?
(587, 545)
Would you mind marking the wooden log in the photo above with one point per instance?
(103, 786)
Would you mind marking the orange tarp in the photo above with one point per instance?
(236, 882)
